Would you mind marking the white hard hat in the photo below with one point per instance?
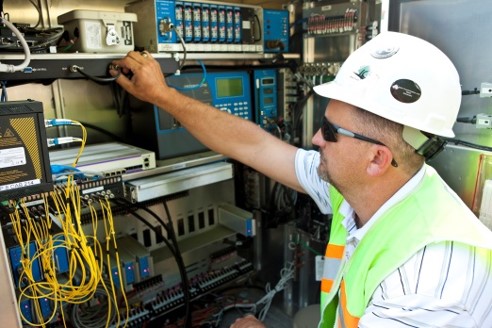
(403, 79)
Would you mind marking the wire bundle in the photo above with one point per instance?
(262, 306)
(86, 280)
(86, 290)
(172, 245)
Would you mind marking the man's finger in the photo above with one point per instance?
(125, 83)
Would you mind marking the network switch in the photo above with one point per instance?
(110, 159)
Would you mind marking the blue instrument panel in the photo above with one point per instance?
(227, 91)
(266, 94)
(160, 132)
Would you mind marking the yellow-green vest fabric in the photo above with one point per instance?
(431, 214)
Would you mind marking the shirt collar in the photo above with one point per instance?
(348, 212)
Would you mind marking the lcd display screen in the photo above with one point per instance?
(229, 87)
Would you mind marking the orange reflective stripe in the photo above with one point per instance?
(335, 251)
(326, 285)
(349, 321)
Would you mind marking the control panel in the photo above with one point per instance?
(227, 91)
(276, 29)
(204, 26)
(265, 84)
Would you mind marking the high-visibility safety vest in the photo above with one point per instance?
(431, 214)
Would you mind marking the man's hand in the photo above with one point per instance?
(141, 75)
(248, 321)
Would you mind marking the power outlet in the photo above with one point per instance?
(484, 121)
(485, 90)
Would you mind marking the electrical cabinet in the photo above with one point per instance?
(138, 276)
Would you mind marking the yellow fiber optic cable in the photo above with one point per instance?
(85, 274)
(109, 227)
(108, 234)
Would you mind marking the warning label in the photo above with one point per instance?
(12, 157)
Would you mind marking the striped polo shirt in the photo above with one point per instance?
(445, 284)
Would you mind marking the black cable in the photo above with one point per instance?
(152, 213)
(39, 39)
(175, 250)
(259, 29)
(470, 92)
(156, 230)
(39, 12)
(94, 78)
(282, 201)
(184, 278)
(181, 40)
(298, 112)
(4, 97)
(48, 16)
(121, 102)
(471, 120)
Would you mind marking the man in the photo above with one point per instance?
(404, 250)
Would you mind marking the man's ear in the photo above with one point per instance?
(380, 161)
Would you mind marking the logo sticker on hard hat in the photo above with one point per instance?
(362, 72)
(405, 91)
(385, 52)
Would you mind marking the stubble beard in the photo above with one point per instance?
(323, 168)
(324, 174)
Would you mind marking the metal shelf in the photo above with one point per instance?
(57, 66)
(237, 56)
(234, 58)
(141, 190)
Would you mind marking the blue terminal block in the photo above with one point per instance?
(144, 267)
(266, 94)
(168, 12)
(125, 274)
(276, 30)
(237, 25)
(60, 254)
(46, 308)
(131, 250)
(129, 272)
(197, 22)
(116, 274)
(197, 26)
(229, 26)
(178, 21)
(214, 23)
(26, 310)
(221, 11)
(188, 22)
(15, 255)
(205, 23)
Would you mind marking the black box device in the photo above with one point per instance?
(24, 159)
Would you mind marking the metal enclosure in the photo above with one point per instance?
(195, 211)
(334, 30)
(458, 28)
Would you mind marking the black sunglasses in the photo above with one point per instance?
(329, 131)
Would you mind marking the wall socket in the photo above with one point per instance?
(485, 90)
(484, 121)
